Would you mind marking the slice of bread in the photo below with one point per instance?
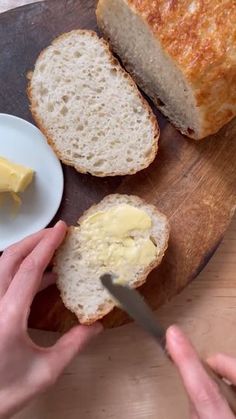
(90, 109)
(79, 267)
(181, 53)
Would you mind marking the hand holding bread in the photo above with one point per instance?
(27, 369)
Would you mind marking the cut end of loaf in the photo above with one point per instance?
(168, 50)
(90, 109)
(79, 269)
(153, 70)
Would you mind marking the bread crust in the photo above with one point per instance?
(50, 139)
(200, 37)
(116, 199)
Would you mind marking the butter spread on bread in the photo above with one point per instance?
(122, 235)
(119, 236)
(182, 53)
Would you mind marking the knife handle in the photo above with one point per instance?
(227, 390)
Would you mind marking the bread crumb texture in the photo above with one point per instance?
(123, 236)
(90, 109)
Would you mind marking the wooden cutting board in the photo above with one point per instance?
(193, 183)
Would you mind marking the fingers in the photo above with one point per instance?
(13, 257)
(224, 366)
(27, 280)
(49, 278)
(202, 391)
(73, 342)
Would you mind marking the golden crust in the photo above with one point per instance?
(200, 36)
(52, 142)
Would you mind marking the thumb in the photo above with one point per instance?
(67, 347)
(224, 366)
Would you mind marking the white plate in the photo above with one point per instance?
(23, 143)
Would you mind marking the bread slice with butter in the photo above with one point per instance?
(121, 235)
(90, 109)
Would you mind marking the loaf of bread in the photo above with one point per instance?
(90, 109)
(128, 242)
(181, 53)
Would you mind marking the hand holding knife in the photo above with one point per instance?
(133, 303)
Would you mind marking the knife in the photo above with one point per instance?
(133, 304)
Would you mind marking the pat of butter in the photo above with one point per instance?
(14, 177)
(119, 239)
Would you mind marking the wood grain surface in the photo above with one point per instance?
(123, 374)
(194, 184)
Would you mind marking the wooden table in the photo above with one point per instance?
(123, 373)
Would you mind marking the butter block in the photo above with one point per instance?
(14, 177)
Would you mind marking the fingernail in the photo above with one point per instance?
(176, 334)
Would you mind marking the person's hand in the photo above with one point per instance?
(26, 369)
(206, 402)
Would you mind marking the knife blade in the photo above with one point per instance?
(132, 302)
